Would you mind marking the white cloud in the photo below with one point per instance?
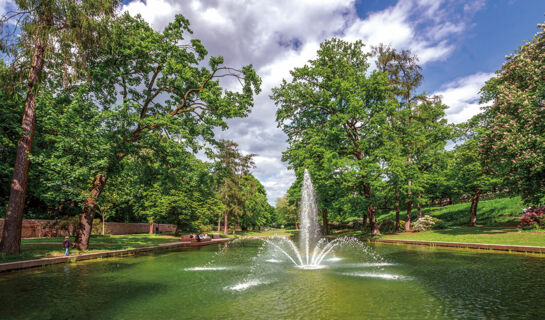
(158, 13)
(462, 96)
(420, 25)
(278, 35)
(5, 5)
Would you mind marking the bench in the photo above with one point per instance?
(189, 237)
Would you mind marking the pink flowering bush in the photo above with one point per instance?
(533, 219)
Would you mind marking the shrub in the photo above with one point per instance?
(356, 223)
(97, 227)
(389, 226)
(66, 224)
(533, 219)
(424, 223)
(439, 224)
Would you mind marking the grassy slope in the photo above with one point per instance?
(497, 212)
(496, 220)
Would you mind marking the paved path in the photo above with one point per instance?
(25, 264)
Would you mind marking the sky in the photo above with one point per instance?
(460, 45)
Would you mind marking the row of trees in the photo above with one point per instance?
(114, 114)
(372, 141)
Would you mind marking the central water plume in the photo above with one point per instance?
(308, 217)
(312, 250)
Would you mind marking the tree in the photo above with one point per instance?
(231, 168)
(256, 211)
(11, 100)
(467, 172)
(46, 26)
(163, 87)
(333, 99)
(287, 212)
(419, 129)
(514, 144)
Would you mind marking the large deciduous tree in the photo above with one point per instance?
(514, 144)
(157, 82)
(335, 99)
(38, 32)
(419, 130)
(467, 172)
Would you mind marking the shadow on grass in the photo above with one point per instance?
(475, 230)
(39, 248)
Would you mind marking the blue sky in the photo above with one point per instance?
(460, 44)
(496, 30)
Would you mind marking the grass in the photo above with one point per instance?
(496, 220)
(496, 212)
(488, 235)
(38, 248)
(267, 233)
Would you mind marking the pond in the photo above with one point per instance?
(247, 280)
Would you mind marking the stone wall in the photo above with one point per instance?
(34, 228)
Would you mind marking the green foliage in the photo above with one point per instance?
(132, 105)
(287, 212)
(387, 226)
(513, 144)
(334, 113)
(12, 102)
(467, 171)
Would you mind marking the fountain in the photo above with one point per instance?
(312, 250)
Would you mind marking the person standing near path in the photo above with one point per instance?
(66, 245)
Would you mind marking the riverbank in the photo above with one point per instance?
(481, 235)
(25, 264)
(40, 248)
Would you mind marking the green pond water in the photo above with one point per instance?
(245, 280)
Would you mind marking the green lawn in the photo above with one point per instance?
(38, 248)
(496, 212)
(489, 235)
(268, 233)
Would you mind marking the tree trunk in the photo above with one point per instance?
(151, 227)
(296, 226)
(397, 211)
(11, 237)
(219, 223)
(419, 207)
(326, 222)
(371, 211)
(473, 209)
(226, 224)
(177, 230)
(102, 214)
(83, 231)
(409, 208)
(364, 221)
